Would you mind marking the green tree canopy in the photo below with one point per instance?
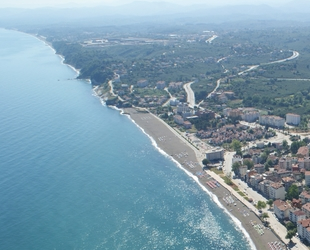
(270, 203)
(236, 145)
(205, 162)
(292, 192)
(235, 167)
(249, 163)
(261, 204)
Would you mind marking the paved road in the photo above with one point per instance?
(190, 94)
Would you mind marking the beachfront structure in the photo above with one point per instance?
(281, 209)
(271, 120)
(297, 215)
(292, 119)
(276, 191)
(215, 154)
(303, 229)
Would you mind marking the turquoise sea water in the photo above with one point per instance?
(77, 175)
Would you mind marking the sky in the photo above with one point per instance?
(81, 3)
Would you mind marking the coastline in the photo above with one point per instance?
(171, 144)
(175, 147)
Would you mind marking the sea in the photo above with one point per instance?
(75, 174)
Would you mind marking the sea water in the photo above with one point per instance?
(75, 174)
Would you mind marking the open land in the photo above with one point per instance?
(184, 153)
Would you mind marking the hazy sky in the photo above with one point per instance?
(66, 3)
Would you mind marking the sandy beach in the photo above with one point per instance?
(242, 212)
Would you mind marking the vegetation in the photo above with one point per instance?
(292, 193)
(260, 205)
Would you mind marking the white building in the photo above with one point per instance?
(303, 228)
(281, 209)
(297, 215)
(250, 116)
(292, 119)
(215, 154)
(276, 191)
(271, 120)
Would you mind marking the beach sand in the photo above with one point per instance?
(190, 158)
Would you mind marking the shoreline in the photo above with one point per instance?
(168, 151)
(172, 145)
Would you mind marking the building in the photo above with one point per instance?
(271, 120)
(277, 191)
(259, 168)
(160, 84)
(142, 83)
(187, 125)
(303, 152)
(251, 116)
(307, 178)
(215, 154)
(178, 119)
(306, 209)
(288, 182)
(296, 215)
(292, 119)
(303, 228)
(281, 209)
(305, 197)
(285, 163)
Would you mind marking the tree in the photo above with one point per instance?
(290, 234)
(264, 216)
(270, 203)
(205, 162)
(236, 145)
(248, 163)
(261, 204)
(292, 192)
(235, 167)
(290, 226)
(285, 144)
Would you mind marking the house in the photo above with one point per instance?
(187, 125)
(281, 209)
(178, 119)
(296, 215)
(303, 152)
